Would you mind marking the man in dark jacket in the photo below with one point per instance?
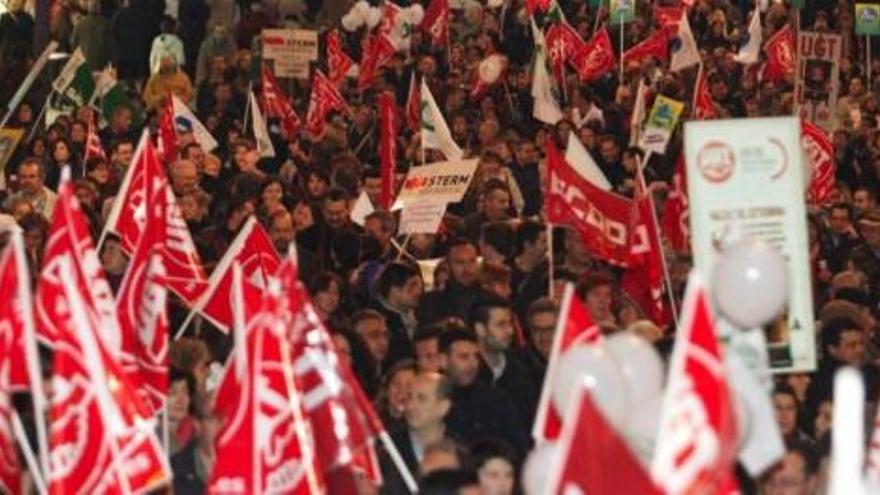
(333, 238)
(461, 292)
(541, 325)
(398, 290)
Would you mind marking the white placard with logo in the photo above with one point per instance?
(422, 217)
(819, 77)
(291, 50)
(745, 180)
(441, 182)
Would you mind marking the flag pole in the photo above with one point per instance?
(696, 93)
(797, 63)
(398, 462)
(620, 83)
(669, 292)
(28, 453)
(247, 108)
(868, 66)
(40, 116)
(550, 266)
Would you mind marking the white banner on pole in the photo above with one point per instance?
(745, 180)
(441, 182)
(291, 50)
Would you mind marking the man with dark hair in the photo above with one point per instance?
(397, 293)
(530, 264)
(494, 206)
(786, 405)
(332, 238)
(841, 237)
(479, 410)
(596, 290)
(496, 239)
(462, 290)
(426, 348)
(540, 322)
(492, 322)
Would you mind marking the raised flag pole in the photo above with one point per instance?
(36, 474)
(621, 52)
(399, 463)
(668, 280)
(28, 81)
(247, 108)
(40, 115)
(550, 266)
(696, 93)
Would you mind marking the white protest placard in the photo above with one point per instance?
(291, 50)
(421, 217)
(818, 77)
(745, 180)
(441, 182)
(361, 208)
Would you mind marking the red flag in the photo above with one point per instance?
(697, 444)
(254, 251)
(414, 105)
(168, 133)
(94, 148)
(325, 98)
(704, 105)
(338, 61)
(378, 50)
(644, 278)
(574, 326)
(593, 457)
(563, 45)
(668, 17)
(387, 147)
(141, 306)
(600, 217)
(596, 58)
(820, 150)
(11, 472)
(277, 105)
(183, 266)
(260, 445)
(436, 22)
(488, 72)
(676, 211)
(69, 237)
(655, 45)
(533, 6)
(780, 53)
(100, 438)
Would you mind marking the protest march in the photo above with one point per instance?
(440, 247)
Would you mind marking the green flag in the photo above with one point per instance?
(867, 19)
(75, 80)
(622, 11)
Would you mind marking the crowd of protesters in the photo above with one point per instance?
(453, 355)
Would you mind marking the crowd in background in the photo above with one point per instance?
(454, 356)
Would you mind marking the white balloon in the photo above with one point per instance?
(594, 367)
(750, 284)
(641, 430)
(640, 363)
(537, 467)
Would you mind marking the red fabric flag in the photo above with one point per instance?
(94, 148)
(644, 278)
(69, 237)
(697, 444)
(533, 6)
(11, 472)
(436, 22)
(387, 147)
(600, 217)
(254, 251)
(596, 58)
(574, 326)
(667, 18)
(563, 45)
(414, 105)
(780, 51)
(100, 438)
(183, 266)
(277, 105)
(324, 99)
(488, 73)
(676, 226)
(593, 457)
(260, 445)
(656, 45)
(338, 61)
(820, 151)
(168, 145)
(704, 105)
(378, 49)
(141, 306)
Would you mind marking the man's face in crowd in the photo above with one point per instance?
(427, 355)
(870, 232)
(463, 264)
(282, 231)
(121, 119)
(856, 87)
(184, 176)
(336, 213)
(789, 477)
(462, 362)
(598, 301)
(526, 153)
(609, 151)
(839, 220)
(376, 337)
(375, 228)
(863, 201)
(30, 178)
(425, 407)
(496, 204)
(786, 407)
(123, 155)
(497, 332)
(851, 348)
(542, 327)
(409, 294)
(373, 188)
(197, 155)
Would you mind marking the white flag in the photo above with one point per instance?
(362, 207)
(638, 114)
(684, 47)
(261, 133)
(183, 115)
(581, 160)
(545, 107)
(435, 132)
(748, 53)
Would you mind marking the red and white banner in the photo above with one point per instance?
(668, 17)
(697, 441)
(168, 145)
(387, 147)
(338, 62)
(277, 105)
(436, 22)
(378, 49)
(780, 53)
(94, 148)
(819, 150)
(704, 105)
(644, 278)
(574, 326)
(596, 58)
(563, 45)
(656, 45)
(676, 226)
(414, 105)
(600, 217)
(324, 99)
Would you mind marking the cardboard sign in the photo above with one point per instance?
(745, 180)
(819, 77)
(660, 125)
(291, 50)
(441, 182)
(9, 139)
(421, 218)
(867, 19)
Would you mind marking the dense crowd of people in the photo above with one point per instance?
(448, 333)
